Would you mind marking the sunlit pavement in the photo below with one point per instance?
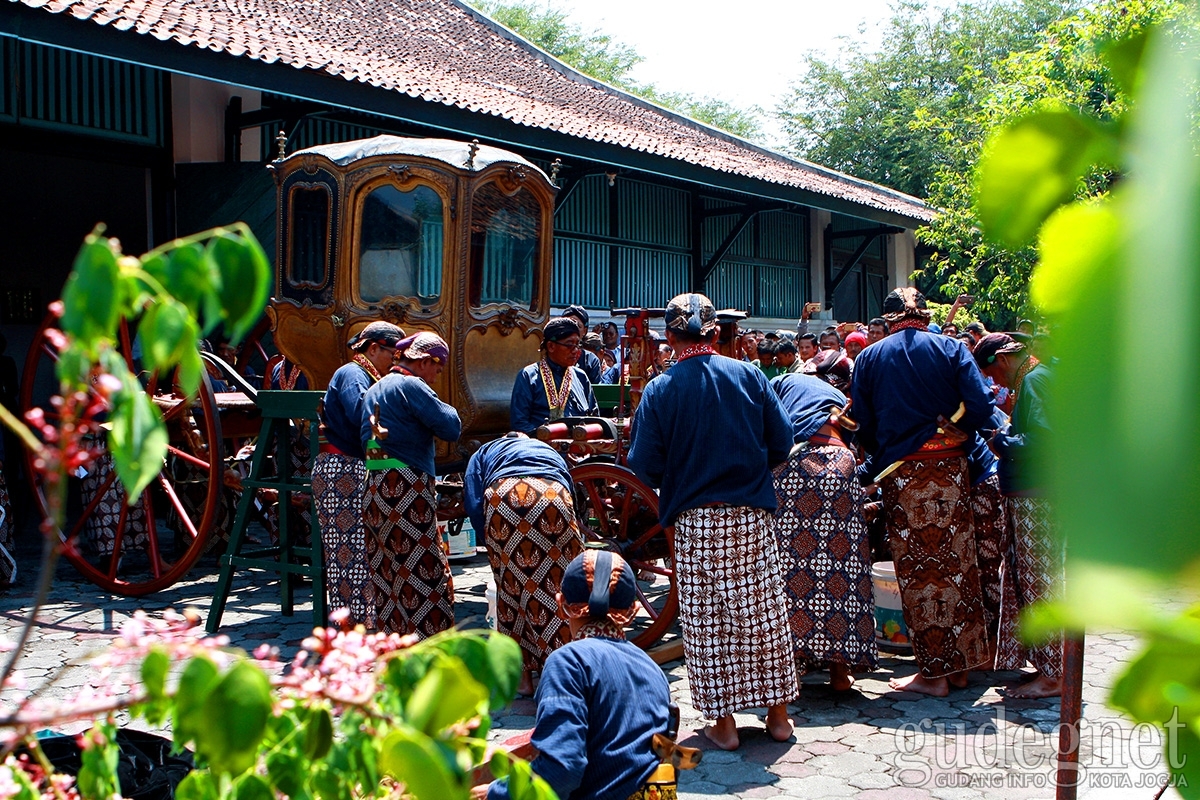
(865, 743)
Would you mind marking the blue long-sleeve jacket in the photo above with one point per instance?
(528, 408)
(709, 430)
(902, 384)
(598, 705)
(343, 408)
(413, 416)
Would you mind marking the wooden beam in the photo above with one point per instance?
(664, 653)
(727, 243)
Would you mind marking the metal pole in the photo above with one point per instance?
(1070, 713)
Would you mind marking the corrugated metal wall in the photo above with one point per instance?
(765, 271)
(45, 87)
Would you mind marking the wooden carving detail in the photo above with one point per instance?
(508, 319)
(394, 312)
(402, 172)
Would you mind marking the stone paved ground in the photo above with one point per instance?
(867, 743)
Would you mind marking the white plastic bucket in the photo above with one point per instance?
(460, 545)
(491, 601)
(890, 629)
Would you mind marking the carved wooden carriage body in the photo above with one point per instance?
(431, 234)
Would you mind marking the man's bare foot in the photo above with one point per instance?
(779, 723)
(959, 680)
(935, 687)
(1041, 686)
(840, 679)
(525, 687)
(723, 733)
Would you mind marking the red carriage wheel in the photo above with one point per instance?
(615, 507)
(136, 549)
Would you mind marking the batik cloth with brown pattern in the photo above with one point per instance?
(993, 540)
(110, 512)
(826, 559)
(732, 611)
(1039, 569)
(531, 537)
(410, 573)
(931, 533)
(339, 488)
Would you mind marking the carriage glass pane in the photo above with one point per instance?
(310, 236)
(504, 247)
(400, 245)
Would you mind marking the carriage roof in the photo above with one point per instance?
(449, 152)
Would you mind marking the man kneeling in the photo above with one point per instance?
(601, 699)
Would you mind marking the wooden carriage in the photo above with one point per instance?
(433, 235)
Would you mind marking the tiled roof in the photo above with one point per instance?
(444, 52)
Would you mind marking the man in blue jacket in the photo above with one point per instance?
(919, 398)
(706, 434)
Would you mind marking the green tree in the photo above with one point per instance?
(604, 58)
(869, 113)
(1064, 69)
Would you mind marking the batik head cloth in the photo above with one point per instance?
(425, 345)
(560, 328)
(691, 313)
(579, 313)
(992, 345)
(905, 304)
(384, 333)
(599, 584)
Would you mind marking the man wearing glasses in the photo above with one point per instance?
(553, 387)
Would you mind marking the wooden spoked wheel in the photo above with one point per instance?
(615, 507)
(139, 549)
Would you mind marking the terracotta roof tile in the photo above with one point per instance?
(443, 52)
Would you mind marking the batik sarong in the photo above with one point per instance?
(1039, 572)
(531, 538)
(826, 559)
(102, 523)
(993, 540)
(339, 488)
(732, 611)
(410, 574)
(932, 538)
(8, 541)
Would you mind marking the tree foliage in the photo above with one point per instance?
(897, 115)
(1065, 71)
(602, 57)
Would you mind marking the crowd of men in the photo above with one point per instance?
(765, 465)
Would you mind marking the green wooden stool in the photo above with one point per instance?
(278, 409)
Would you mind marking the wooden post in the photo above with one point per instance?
(1070, 713)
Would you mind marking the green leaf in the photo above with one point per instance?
(288, 772)
(198, 785)
(233, 719)
(252, 787)
(191, 278)
(504, 655)
(329, 784)
(154, 672)
(166, 331)
(1032, 167)
(245, 280)
(413, 759)
(90, 298)
(1077, 245)
(191, 370)
(97, 778)
(1124, 60)
(138, 437)
(318, 734)
(199, 677)
(446, 695)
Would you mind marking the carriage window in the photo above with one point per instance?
(310, 236)
(504, 247)
(400, 252)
